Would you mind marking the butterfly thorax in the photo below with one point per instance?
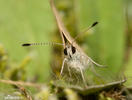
(74, 58)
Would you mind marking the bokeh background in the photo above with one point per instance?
(23, 21)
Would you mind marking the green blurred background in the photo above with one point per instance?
(23, 21)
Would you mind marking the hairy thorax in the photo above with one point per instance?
(75, 59)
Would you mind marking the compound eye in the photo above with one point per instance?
(65, 51)
(73, 50)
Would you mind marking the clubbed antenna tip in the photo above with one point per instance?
(26, 44)
(95, 23)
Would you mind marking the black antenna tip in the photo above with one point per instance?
(26, 44)
(95, 23)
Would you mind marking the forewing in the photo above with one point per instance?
(62, 29)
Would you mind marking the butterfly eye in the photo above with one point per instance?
(73, 49)
(65, 51)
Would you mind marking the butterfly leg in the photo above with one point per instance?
(69, 71)
(62, 66)
(84, 81)
(93, 70)
(95, 63)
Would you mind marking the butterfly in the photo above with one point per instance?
(74, 56)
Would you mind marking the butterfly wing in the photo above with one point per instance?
(62, 29)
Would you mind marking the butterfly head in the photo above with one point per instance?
(69, 50)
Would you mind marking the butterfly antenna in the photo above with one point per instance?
(42, 44)
(94, 24)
